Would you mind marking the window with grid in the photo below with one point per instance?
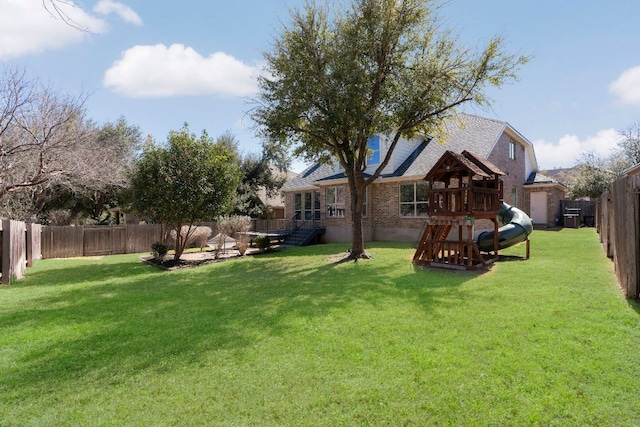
(414, 200)
(336, 198)
(306, 206)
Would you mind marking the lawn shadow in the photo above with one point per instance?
(131, 317)
(77, 271)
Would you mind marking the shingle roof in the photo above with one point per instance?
(538, 178)
(484, 164)
(309, 176)
(466, 132)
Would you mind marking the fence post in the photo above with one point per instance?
(13, 250)
(29, 236)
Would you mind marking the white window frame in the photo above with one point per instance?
(413, 206)
(335, 207)
(512, 149)
(364, 203)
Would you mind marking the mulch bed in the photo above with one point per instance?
(197, 259)
(171, 264)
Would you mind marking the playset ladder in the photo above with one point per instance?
(435, 249)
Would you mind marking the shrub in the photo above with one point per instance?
(262, 242)
(236, 226)
(242, 244)
(199, 235)
(159, 250)
(231, 225)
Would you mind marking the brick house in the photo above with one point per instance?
(396, 203)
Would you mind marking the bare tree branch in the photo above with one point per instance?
(55, 8)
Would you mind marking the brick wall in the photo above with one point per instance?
(383, 221)
(386, 206)
(554, 207)
(514, 169)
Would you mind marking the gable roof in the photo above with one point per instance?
(484, 164)
(452, 164)
(464, 132)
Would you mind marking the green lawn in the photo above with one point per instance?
(289, 339)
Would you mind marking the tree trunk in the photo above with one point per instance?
(179, 243)
(356, 190)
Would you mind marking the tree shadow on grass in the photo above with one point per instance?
(126, 318)
(78, 271)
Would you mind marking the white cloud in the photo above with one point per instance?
(627, 86)
(161, 71)
(106, 7)
(26, 26)
(567, 150)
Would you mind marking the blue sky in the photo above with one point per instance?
(162, 63)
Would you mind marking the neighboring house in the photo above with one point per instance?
(632, 171)
(545, 199)
(396, 203)
(275, 203)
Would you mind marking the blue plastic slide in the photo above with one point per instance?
(517, 227)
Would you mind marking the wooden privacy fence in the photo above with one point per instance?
(77, 241)
(618, 224)
(22, 243)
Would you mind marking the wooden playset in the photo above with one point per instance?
(463, 188)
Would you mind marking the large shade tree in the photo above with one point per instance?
(338, 76)
(45, 137)
(52, 156)
(92, 194)
(189, 180)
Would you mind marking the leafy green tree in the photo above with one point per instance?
(258, 177)
(591, 177)
(335, 77)
(191, 179)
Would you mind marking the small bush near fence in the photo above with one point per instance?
(262, 242)
(159, 250)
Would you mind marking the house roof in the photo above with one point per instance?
(633, 170)
(476, 134)
(275, 200)
(536, 178)
(466, 132)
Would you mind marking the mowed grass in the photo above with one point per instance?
(290, 339)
